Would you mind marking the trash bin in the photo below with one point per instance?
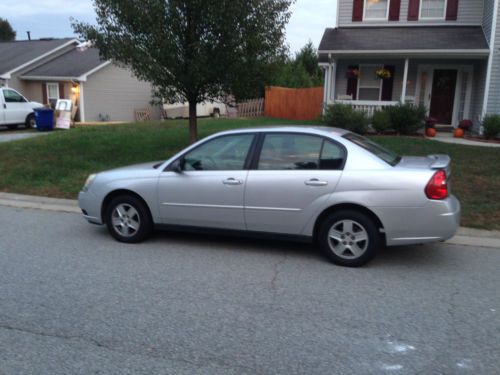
(44, 118)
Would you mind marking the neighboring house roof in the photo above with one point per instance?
(429, 39)
(76, 65)
(16, 55)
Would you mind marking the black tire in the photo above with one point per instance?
(12, 127)
(30, 121)
(139, 215)
(349, 250)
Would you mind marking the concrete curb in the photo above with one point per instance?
(464, 236)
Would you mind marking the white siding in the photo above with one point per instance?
(488, 18)
(114, 92)
(469, 12)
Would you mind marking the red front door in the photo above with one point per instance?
(443, 95)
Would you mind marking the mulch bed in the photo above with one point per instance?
(480, 139)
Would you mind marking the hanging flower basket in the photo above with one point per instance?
(352, 73)
(383, 73)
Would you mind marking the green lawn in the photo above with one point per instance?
(57, 165)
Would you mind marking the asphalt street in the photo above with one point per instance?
(74, 301)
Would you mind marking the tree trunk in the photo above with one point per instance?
(193, 122)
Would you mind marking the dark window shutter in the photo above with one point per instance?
(388, 84)
(61, 90)
(357, 10)
(352, 83)
(44, 93)
(394, 9)
(413, 10)
(452, 10)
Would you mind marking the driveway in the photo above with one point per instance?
(73, 301)
(7, 136)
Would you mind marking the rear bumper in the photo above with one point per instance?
(90, 206)
(436, 221)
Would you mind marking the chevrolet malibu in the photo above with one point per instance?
(341, 190)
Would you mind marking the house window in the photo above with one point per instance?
(369, 86)
(432, 9)
(52, 93)
(376, 9)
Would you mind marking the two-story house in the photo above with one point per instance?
(443, 54)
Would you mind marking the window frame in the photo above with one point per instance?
(171, 166)
(365, 6)
(374, 66)
(260, 142)
(432, 18)
(56, 84)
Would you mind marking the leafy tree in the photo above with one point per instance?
(301, 71)
(7, 33)
(191, 50)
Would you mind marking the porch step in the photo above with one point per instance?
(444, 128)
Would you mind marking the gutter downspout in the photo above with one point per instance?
(490, 62)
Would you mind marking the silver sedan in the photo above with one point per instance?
(345, 192)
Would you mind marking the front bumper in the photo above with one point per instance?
(438, 220)
(90, 206)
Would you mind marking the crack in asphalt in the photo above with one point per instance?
(149, 354)
(276, 271)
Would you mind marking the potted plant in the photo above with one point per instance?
(430, 127)
(466, 126)
(383, 73)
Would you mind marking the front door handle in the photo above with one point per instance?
(232, 181)
(315, 182)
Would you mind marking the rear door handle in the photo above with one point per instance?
(231, 181)
(315, 182)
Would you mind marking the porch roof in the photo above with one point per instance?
(73, 65)
(446, 41)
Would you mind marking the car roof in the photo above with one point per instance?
(310, 129)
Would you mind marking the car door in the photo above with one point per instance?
(15, 107)
(209, 189)
(292, 180)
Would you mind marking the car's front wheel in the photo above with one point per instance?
(128, 219)
(30, 121)
(349, 238)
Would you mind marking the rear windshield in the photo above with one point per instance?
(374, 148)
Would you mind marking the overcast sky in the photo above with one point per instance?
(50, 18)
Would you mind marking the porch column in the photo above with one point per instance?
(405, 80)
(333, 78)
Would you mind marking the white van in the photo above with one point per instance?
(15, 109)
(205, 109)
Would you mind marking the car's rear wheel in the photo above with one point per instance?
(128, 219)
(30, 121)
(349, 238)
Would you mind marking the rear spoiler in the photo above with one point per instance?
(439, 161)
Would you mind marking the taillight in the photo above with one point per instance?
(437, 188)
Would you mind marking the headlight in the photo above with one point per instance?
(89, 181)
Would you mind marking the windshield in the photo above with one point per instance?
(377, 150)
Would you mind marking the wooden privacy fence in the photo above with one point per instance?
(294, 104)
(251, 108)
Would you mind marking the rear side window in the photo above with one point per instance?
(284, 151)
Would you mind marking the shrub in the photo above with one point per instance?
(345, 117)
(491, 125)
(381, 121)
(406, 118)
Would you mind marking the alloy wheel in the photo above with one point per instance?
(348, 239)
(125, 220)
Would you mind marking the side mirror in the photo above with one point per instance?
(177, 166)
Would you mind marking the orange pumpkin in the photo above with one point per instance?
(430, 132)
(458, 133)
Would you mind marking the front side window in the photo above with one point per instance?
(369, 86)
(376, 9)
(52, 93)
(432, 9)
(227, 153)
(12, 96)
(299, 151)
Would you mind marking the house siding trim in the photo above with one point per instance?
(490, 60)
